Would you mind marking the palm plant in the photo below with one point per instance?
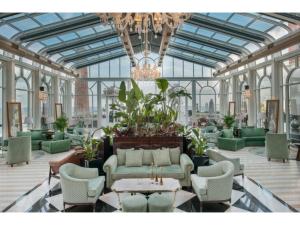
(61, 123)
(229, 121)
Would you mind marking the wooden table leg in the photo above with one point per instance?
(298, 154)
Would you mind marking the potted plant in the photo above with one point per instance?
(90, 154)
(61, 123)
(229, 121)
(199, 145)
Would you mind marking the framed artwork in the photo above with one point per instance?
(231, 109)
(58, 110)
(14, 118)
(272, 115)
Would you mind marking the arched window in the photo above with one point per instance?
(62, 93)
(265, 94)
(47, 106)
(293, 100)
(92, 92)
(23, 95)
(243, 102)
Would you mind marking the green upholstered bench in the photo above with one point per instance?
(57, 144)
(253, 136)
(227, 141)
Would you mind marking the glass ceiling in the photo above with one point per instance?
(79, 39)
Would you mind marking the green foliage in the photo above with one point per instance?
(150, 114)
(229, 121)
(91, 147)
(198, 142)
(61, 123)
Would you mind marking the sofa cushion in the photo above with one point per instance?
(131, 172)
(174, 155)
(134, 158)
(258, 138)
(147, 156)
(58, 136)
(37, 135)
(23, 133)
(95, 185)
(121, 155)
(173, 171)
(227, 133)
(161, 157)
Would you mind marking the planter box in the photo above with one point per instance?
(202, 160)
(147, 142)
(95, 163)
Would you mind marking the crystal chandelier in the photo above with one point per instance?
(145, 71)
(143, 22)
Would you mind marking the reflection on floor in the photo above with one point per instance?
(186, 201)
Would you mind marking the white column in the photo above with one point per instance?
(55, 93)
(193, 101)
(68, 109)
(99, 104)
(10, 92)
(252, 99)
(277, 92)
(36, 106)
(222, 97)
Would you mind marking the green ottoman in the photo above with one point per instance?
(134, 203)
(161, 202)
(232, 144)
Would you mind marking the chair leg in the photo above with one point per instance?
(201, 206)
(49, 179)
(269, 159)
(94, 207)
(27, 162)
(283, 160)
(64, 207)
(11, 165)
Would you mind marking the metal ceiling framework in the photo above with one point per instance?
(90, 47)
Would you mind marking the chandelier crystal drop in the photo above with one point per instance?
(144, 22)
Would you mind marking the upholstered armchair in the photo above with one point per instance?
(277, 146)
(213, 183)
(216, 156)
(211, 134)
(18, 150)
(80, 186)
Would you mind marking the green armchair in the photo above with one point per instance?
(227, 141)
(277, 146)
(18, 150)
(37, 136)
(80, 186)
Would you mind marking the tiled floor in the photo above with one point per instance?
(30, 191)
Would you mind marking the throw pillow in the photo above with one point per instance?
(147, 156)
(134, 158)
(58, 136)
(161, 157)
(228, 133)
(121, 156)
(174, 155)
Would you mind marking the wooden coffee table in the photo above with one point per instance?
(145, 185)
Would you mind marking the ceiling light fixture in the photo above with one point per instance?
(143, 22)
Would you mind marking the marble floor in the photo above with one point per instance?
(266, 188)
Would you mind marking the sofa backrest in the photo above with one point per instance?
(252, 132)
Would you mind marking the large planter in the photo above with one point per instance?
(202, 160)
(94, 163)
(107, 148)
(186, 149)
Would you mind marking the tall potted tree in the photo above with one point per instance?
(61, 123)
(199, 145)
(229, 121)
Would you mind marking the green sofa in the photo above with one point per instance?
(253, 136)
(57, 144)
(227, 141)
(75, 139)
(37, 137)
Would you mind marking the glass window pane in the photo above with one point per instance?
(51, 41)
(114, 67)
(85, 32)
(197, 70)
(207, 72)
(7, 31)
(188, 69)
(168, 66)
(205, 32)
(178, 68)
(188, 28)
(104, 69)
(240, 19)
(260, 25)
(47, 18)
(68, 37)
(220, 16)
(221, 37)
(125, 67)
(25, 24)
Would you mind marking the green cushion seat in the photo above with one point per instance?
(134, 203)
(232, 144)
(253, 136)
(161, 202)
(227, 133)
(56, 146)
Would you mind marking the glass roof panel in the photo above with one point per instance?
(110, 41)
(47, 18)
(260, 25)
(85, 32)
(101, 28)
(188, 28)
(205, 32)
(97, 44)
(237, 41)
(14, 16)
(252, 47)
(206, 48)
(68, 36)
(36, 46)
(51, 41)
(69, 52)
(278, 32)
(7, 31)
(221, 37)
(195, 45)
(66, 16)
(240, 19)
(220, 16)
(55, 57)
(222, 52)
(25, 24)
(180, 41)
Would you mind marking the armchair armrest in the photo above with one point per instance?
(86, 173)
(186, 163)
(111, 164)
(209, 171)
